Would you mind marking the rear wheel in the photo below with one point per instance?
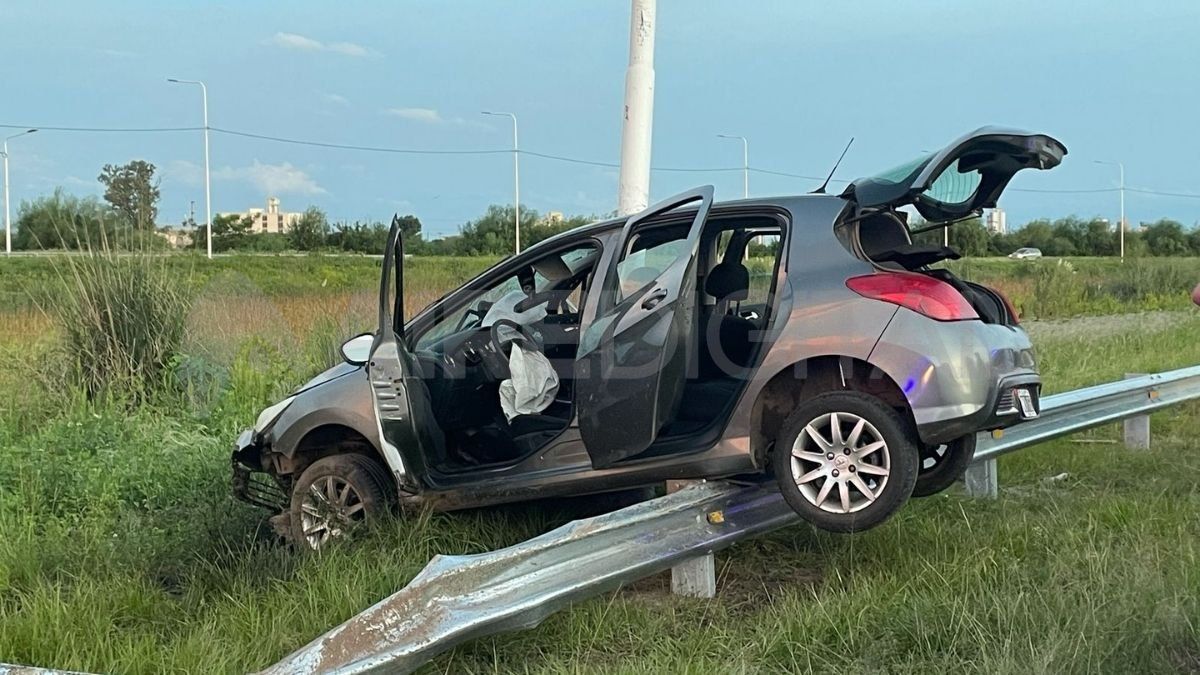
(942, 465)
(844, 461)
(334, 496)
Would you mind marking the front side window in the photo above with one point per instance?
(555, 278)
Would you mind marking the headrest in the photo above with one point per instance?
(728, 281)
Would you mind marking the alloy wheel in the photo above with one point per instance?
(330, 508)
(840, 462)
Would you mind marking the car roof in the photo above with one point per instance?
(789, 202)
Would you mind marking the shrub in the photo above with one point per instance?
(121, 319)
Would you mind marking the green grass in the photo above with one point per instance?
(1046, 289)
(122, 551)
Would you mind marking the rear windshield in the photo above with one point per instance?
(952, 186)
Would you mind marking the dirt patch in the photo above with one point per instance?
(1104, 326)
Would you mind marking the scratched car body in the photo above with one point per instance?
(805, 338)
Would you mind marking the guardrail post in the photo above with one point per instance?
(695, 577)
(981, 479)
(1137, 429)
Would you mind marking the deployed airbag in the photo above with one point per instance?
(531, 386)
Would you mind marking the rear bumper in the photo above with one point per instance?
(959, 377)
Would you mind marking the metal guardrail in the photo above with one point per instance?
(1073, 411)
(459, 598)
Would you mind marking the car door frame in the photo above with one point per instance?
(403, 415)
(599, 398)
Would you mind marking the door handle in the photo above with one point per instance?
(653, 298)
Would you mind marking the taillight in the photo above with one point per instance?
(934, 298)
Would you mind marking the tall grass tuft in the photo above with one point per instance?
(121, 320)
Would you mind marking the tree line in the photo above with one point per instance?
(128, 214)
(1072, 236)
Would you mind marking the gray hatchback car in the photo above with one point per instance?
(805, 338)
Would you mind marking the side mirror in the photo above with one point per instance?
(357, 350)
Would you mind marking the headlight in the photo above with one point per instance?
(267, 416)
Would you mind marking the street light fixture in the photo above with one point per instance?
(1121, 168)
(516, 179)
(207, 174)
(7, 224)
(745, 163)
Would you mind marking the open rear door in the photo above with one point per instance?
(407, 429)
(634, 356)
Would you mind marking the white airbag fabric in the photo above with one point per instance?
(506, 308)
(532, 386)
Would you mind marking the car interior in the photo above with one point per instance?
(883, 238)
(463, 355)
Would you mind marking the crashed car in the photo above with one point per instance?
(806, 338)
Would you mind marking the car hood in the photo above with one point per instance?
(338, 370)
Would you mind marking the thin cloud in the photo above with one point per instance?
(432, 116)
(270, 179)
(348, 48)
(306, 44)
(273, 179)
(336, 99)
(426, 115)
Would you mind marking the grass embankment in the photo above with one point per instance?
(121, 550)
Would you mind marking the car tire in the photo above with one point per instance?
(943, 465)
(853, 500)
(335, 495)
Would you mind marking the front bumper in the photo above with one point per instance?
(249, 482)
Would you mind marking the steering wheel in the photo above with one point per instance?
(503, 333)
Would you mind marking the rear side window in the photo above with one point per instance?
(761, 252)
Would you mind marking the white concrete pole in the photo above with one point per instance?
(207, 172)
(7, 215)
(516, 180)
(637, 126)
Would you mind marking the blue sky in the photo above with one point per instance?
(1113, 81)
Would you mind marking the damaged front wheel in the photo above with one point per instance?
(334, 496)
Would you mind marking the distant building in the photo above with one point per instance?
(269, 220)
(176, 238)
(554, 217)
(996, 221)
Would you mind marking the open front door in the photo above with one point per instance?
(407, 428)
(634, 356)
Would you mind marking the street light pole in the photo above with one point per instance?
(1121, 169)
(516, 180)
(745, 163)
(7, 224)
(207, 173)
